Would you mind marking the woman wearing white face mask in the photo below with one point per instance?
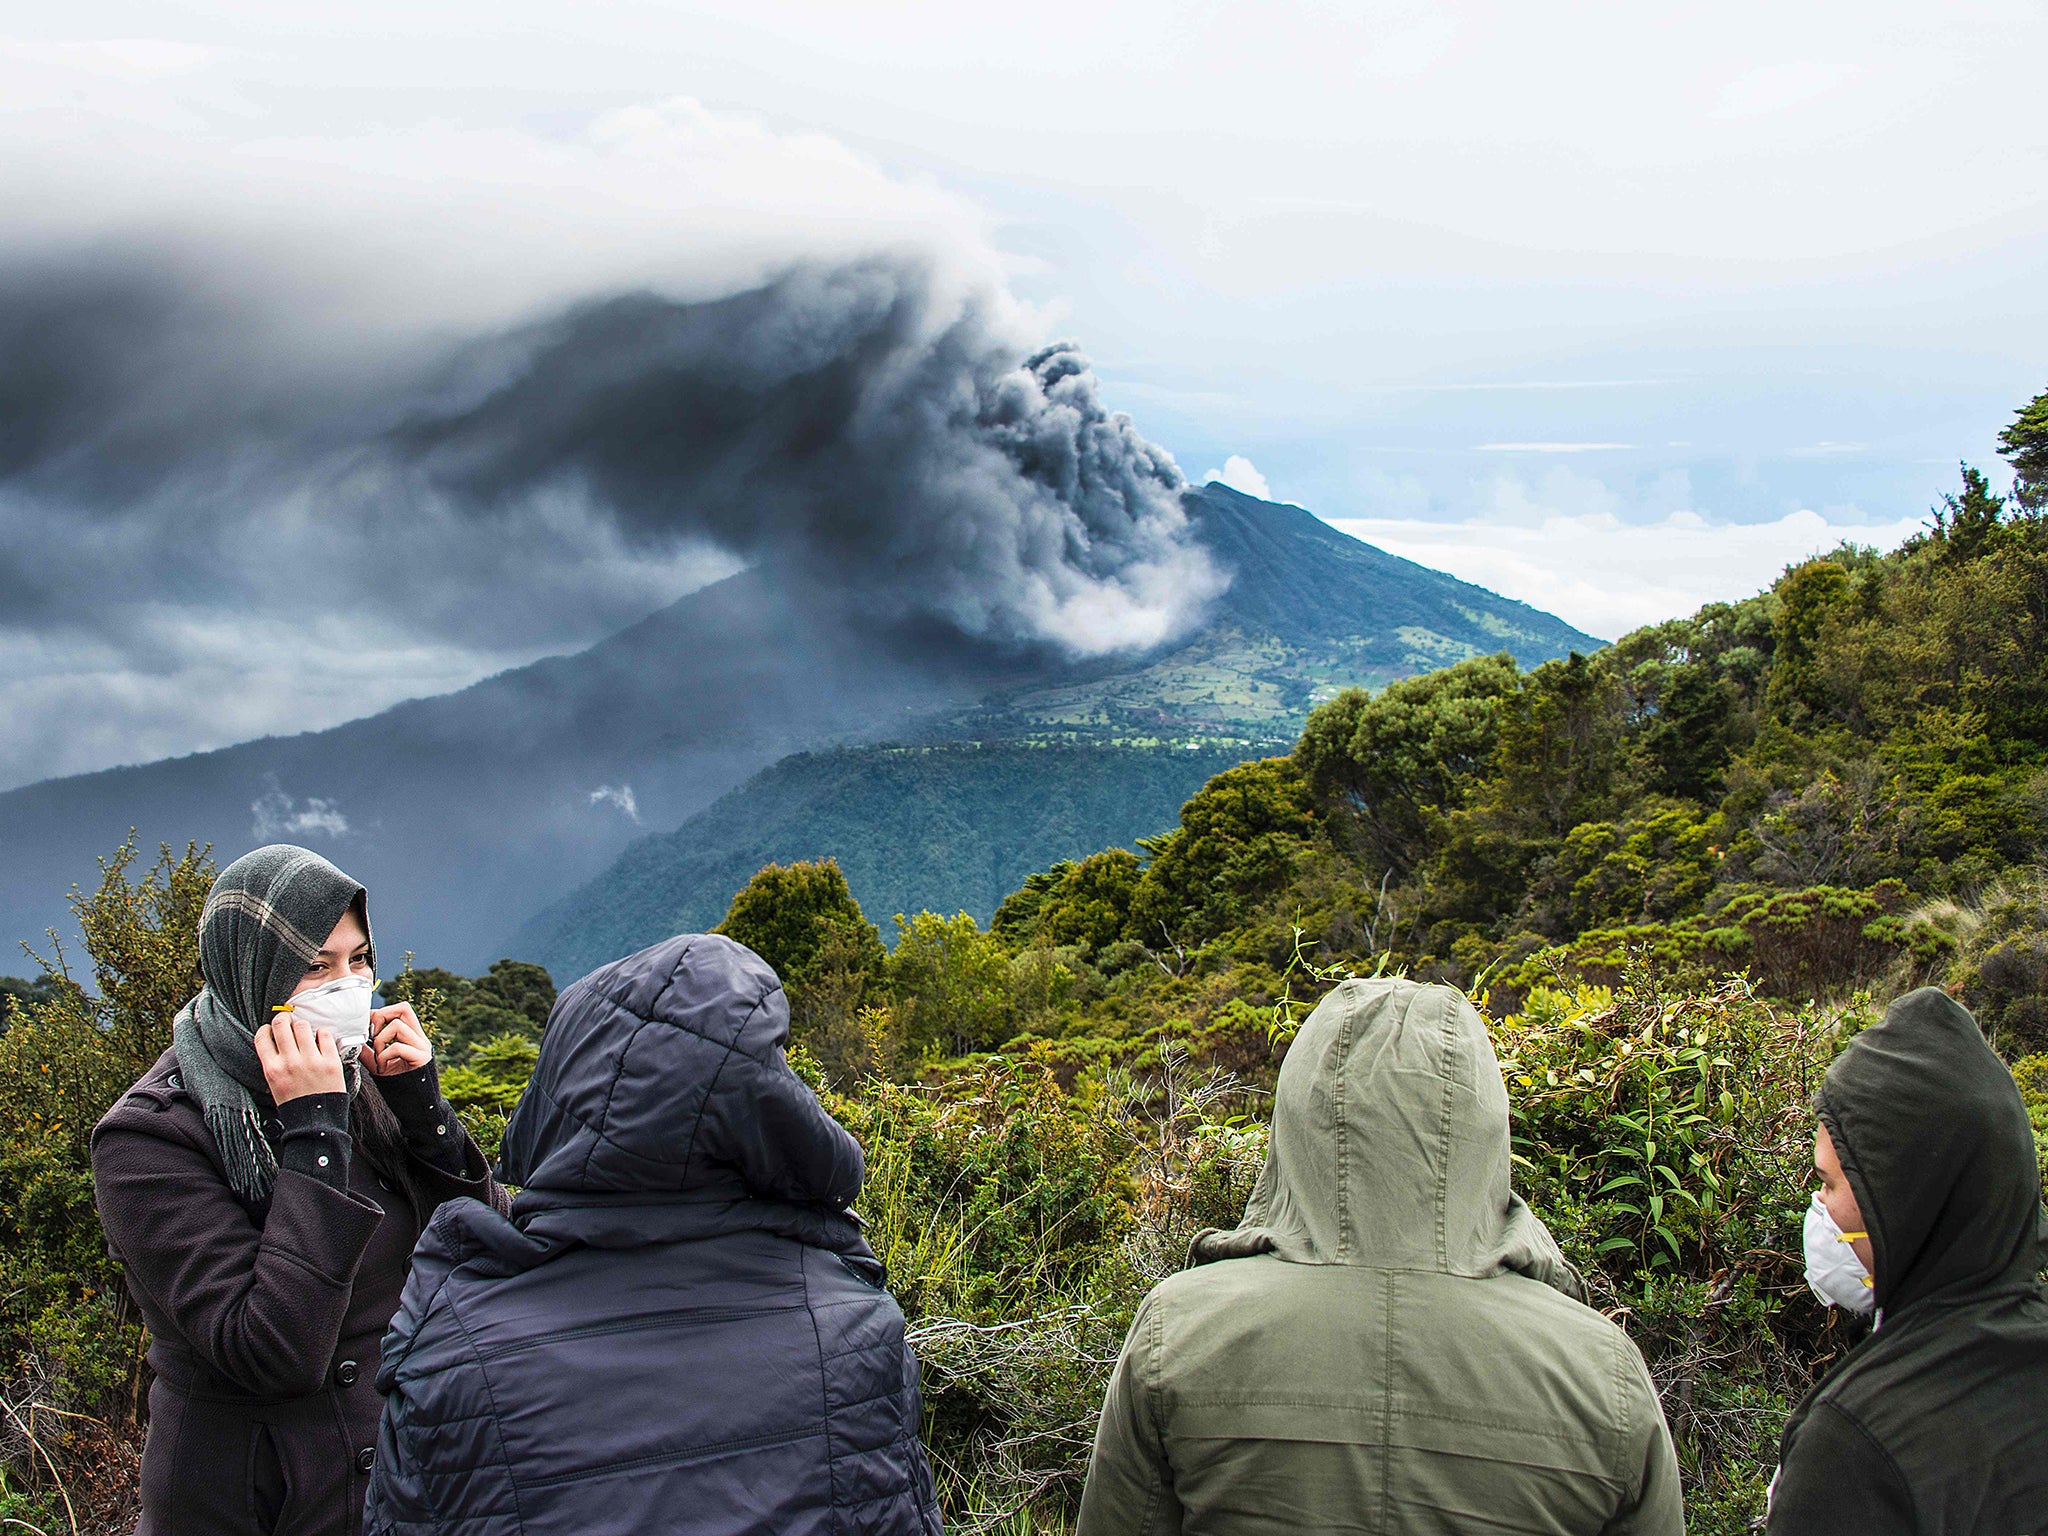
(263, 1186)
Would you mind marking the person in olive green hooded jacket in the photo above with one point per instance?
(1937, 1422)
(1391, 1342)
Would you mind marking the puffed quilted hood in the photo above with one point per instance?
(664, 1076)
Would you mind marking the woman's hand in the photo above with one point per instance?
(298, 1059)
(397, 1043)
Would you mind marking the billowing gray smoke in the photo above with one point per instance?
(224, 511)
(842, 423)
(852, 425)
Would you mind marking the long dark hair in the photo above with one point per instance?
(381, 1143)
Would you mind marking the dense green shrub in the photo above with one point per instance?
(2001, 961)
(512, 998)
(1667, 1142)
(1083, 902)
(71, 1373)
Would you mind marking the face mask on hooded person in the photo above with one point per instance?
(342, 1005)
(1832, 1268)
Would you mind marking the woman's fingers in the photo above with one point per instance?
(285, 1040)
(298, 1058)
(400, 1045)
(398, 1022)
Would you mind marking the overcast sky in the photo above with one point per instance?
(1615, 308)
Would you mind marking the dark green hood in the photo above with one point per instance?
(1934, 1138)
(1390, 1146)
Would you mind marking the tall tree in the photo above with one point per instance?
(2025, 445)
(802, 919)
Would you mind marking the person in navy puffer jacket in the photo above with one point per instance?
(681, 1328)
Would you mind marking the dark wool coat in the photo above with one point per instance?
(265, 1324)
(680, 1328)
(1938, 1421)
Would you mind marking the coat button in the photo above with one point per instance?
(366, 1458)
(346, 1373)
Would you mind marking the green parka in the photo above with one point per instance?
(1938, 1421)
(1392, 1341)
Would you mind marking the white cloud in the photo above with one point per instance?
(619, 797)
(1778, 87)
(445, 224)
(276, 815)
(1240, 474)
(1578, 559)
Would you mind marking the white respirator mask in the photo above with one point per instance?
(341, 1005)
(1832, 1268)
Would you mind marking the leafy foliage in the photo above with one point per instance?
(71, 1372)
(2025, 443)
(512, 998)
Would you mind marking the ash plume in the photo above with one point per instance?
(861, 426)
(274, 518)
(883, 444)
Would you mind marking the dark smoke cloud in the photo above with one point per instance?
(183, 447)
(840, 422)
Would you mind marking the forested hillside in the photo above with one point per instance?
(1678, 874)
(950, 826)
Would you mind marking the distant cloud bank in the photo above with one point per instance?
(1609, 576)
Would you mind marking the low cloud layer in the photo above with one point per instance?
(330, 432)
(1608, 562)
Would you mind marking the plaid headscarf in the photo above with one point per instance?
(262, 926)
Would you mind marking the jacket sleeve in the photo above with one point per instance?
(1656, 1505)
(1835, 1478)
(441, 1461)
(1130, 1481)
(262, 1306)
(448, 1163)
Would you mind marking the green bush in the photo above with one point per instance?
(1667, 1142)
(512, 998)
(72, 1378)
(2001, 959)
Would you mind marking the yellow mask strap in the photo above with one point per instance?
(1850, 1237)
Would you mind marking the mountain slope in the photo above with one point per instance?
(954, 827)
(1310, 611)
(468, 812)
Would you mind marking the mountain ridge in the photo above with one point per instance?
(468, 812)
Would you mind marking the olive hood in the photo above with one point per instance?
(1390, 1146)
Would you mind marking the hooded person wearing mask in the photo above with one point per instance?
(1391, 1341)
(681, 1328)
(262, 1186)
(1929, 1220)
